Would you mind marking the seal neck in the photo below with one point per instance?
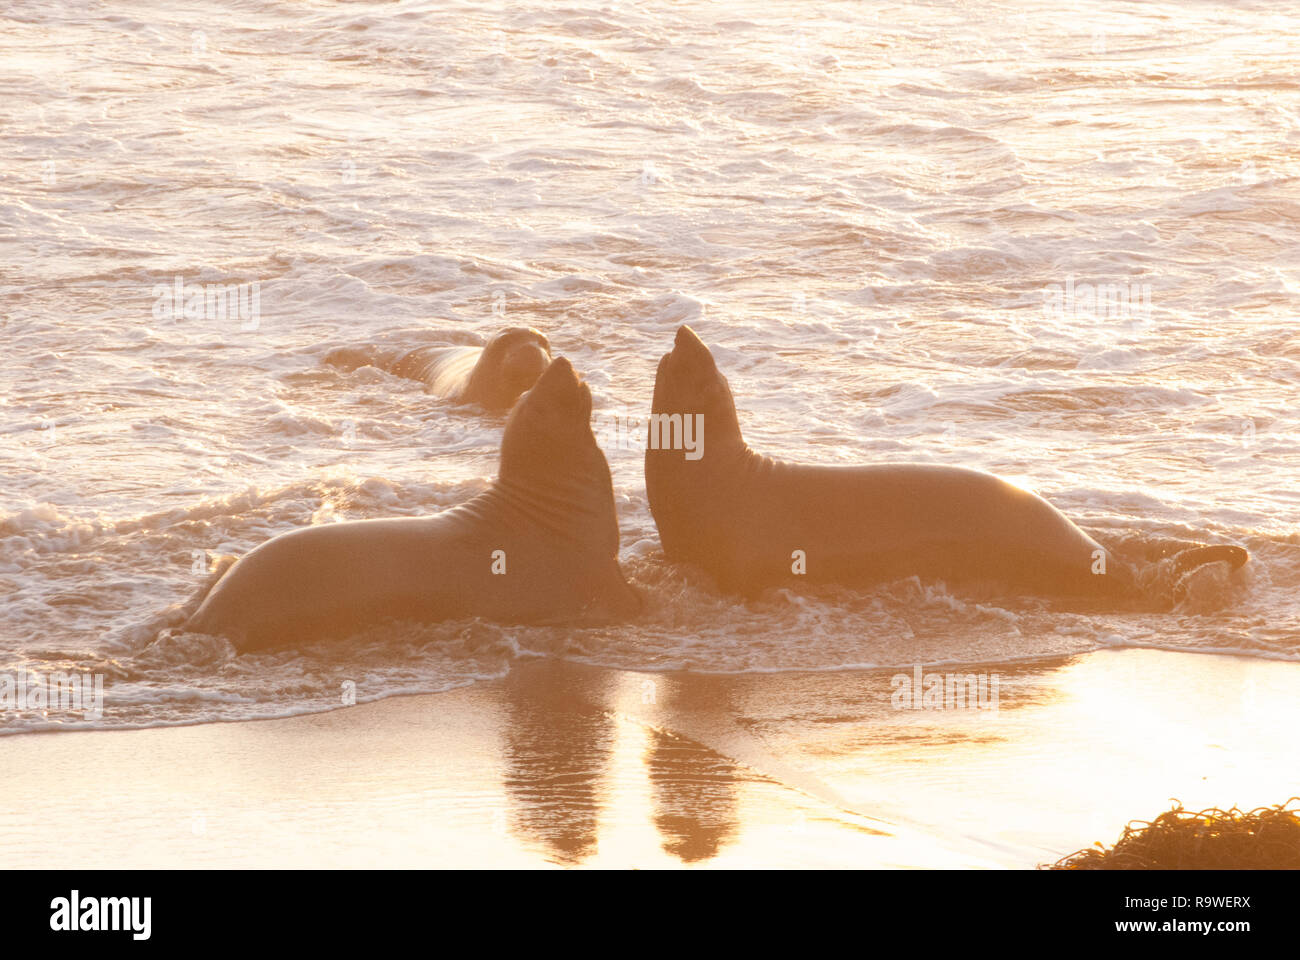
(579, 511)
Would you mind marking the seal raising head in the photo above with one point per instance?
(510, 364)
(540, 545)
(492, 376)
(754, 522)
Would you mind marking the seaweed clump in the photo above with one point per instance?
(1267, 838)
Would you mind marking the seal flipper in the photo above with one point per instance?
(619, 601)
(1187, 560)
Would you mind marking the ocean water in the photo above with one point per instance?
(890, 221)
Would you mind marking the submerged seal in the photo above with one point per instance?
(493, 376)
(754, 522)
(539, 546)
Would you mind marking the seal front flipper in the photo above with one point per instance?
(616, 601)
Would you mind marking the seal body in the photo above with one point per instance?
(539, 546)
(754, 522)
(771, 523)
(493, 376)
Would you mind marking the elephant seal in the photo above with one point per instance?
(753, 522)
(492, 376)
(539, 546)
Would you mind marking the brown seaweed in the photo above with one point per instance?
(1267, 838)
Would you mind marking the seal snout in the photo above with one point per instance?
(689, 360)
(559, 380)
(691, 350)
(561, 371)
(526, 362)
(687, 339)
(561, 388)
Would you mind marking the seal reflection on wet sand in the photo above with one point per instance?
(559, 764)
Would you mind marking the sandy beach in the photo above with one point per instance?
(561, 764)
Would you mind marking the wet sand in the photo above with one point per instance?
(562, 764)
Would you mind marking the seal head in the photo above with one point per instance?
(510, 364)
